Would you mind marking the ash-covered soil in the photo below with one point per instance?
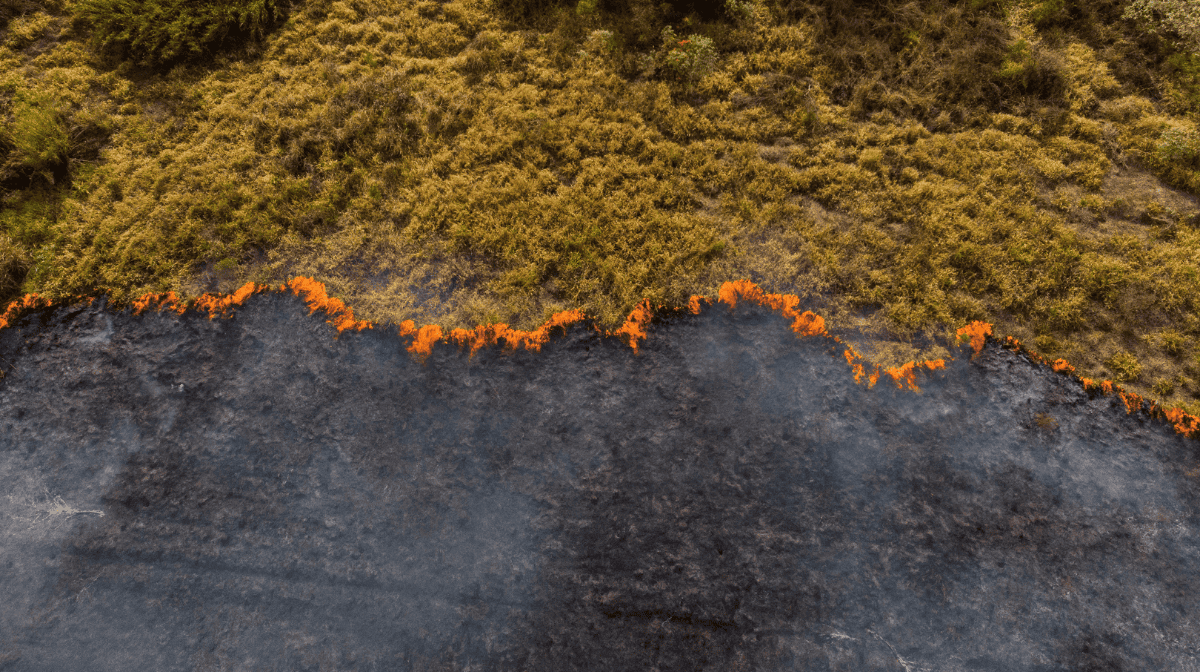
(250, 493)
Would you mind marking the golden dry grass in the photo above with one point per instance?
(903, 169)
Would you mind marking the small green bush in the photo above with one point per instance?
(1181, 17)
(1032, 70)
(601, 42)
(743, 13)
(37, 134)
(10, 9)
(690, 59)
(15, 262)
(1179, 147)
(158, 32)
(1172, 341)
(1125, 367)
(1047, 13)
(1185, 74)
(1018, 59)
(1046, 344)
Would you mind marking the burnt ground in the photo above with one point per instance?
(251, 493)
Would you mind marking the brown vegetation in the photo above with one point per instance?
(904, 168)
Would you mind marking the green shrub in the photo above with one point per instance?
(1172, 341)
(37, 134)
(601, 42)
(158, 32)
(1125, 367)
(42, 137)
(1180, 147)
(743, 13)
(690, 59)
(1017, 61)
(1046, 344)
(522, 10)
(1048, 12)
(1180, 17)
(15, 262)
(1032, 70)
(10, 9)
(1184, 68)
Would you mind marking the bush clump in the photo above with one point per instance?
(37, 135)
(154, 33)
(15, 263)
(1178, 17)
(690, 59)
(1180, 147)
(1125, 367)
(44, 138)
(10, 9)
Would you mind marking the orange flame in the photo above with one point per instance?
(1132, 401)
(859, 373)
(977, 331)
(343, 317)
(20, 306)
(905, 373)
(805, 324)
(424, 338)
(1184, 423)
(1061, 365)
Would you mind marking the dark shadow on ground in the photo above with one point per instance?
(250, 493)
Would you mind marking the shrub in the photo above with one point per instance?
(743, 13)
(1125, 367)
(1164, 388)
(15, 262)
(1184, 90)
(1181, 17)
(46, 139)
(1172, 341)
(1046, 344)
(1047, 12)
(1018, 59)
(523, 10)
(10, 9)
(1031, 70)
(37, 134)
(690, 59)
(160, 32)
(1179, 147)
(601, 42)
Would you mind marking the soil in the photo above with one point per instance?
(249, 492)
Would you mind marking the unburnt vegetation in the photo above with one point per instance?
(903, 167)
